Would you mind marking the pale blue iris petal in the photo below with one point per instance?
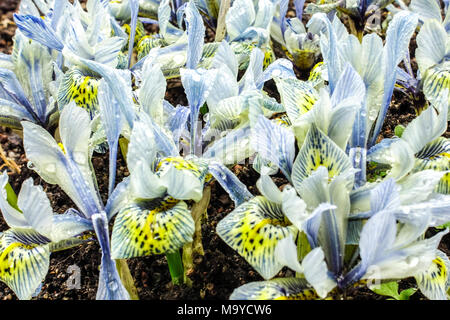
(37, 29)
(274, 143)
(110, 286)
(134, 4)
(197, 85)
(237, 191)
(280, 68)
(117, 198)
(232, 148)
(196, 34)
(398, 36)
(112, 120)
(11, 89)
(177, 123)
(329, 50)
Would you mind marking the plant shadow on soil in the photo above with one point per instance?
(216, 274)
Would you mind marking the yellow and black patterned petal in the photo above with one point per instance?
(197, 169)
(151, 227)
(269, 57)
(276, 289)
(433, 283)
(83, 89)
(140, 33)
(444, 184)
(24, 261)
(298, 97)
(436, 156)
(146, 43)
(253, 229)
(319, 150)
(315, 76)
(436, 80)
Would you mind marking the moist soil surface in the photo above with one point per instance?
(217, 273)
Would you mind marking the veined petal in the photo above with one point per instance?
(314, 189)
(428, 126)
(23, 266)
(197, 85)
(134, 8)
(151, 227)
(68, 225)
(274, 143)
(34, 70)
(36, 208)
(398, 37)
(276, 289)
(265, 13)
(426, 9)
(12, 90)
(232, 148)
(436, 81)
(70, 169)
(239, 17)
(385, 196)
(37, 29)
(298, 97)
(237, 191)
(12, 113)
(117, 198)
(113, 121)
(118, 80)
(83, 89)
(318, 150)
(377, 236)
(152, 91)
(431, 44)
(110, 286)
(141, 147)
(349, 85)
(225, 57)
(329, 49)
(433, 283)
(177, 123)
(280, 68)
(196, 33)
(253, 229)
(75, 130)
(164, 12)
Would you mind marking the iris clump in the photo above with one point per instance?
(85, 81)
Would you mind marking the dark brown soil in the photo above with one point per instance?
(7, 26)
(216, 274)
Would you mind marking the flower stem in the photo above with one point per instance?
(126, 278)
(175, 267)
